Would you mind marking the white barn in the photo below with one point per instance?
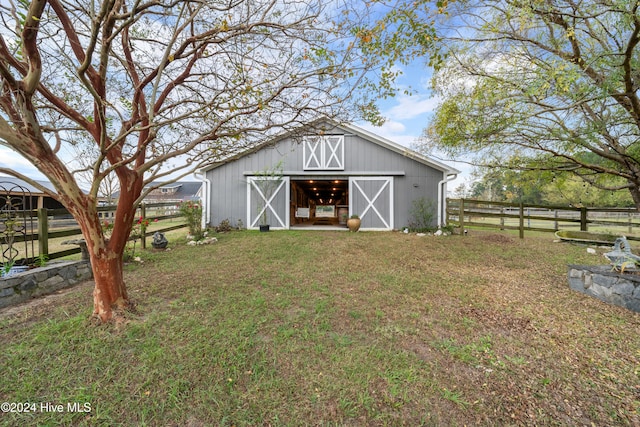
(320, 176)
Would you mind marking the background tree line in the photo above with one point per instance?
(540, 188)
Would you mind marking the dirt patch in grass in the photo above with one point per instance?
(496, 238)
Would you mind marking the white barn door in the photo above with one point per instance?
(268, 202)
(372, 199)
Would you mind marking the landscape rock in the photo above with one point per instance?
(599, 281)
(43, 280)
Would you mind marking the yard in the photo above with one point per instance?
(332, 328)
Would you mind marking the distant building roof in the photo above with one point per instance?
(175, 191)
(34, 198)
(9, 183)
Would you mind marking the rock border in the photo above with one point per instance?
(40, 281)
(599, 281)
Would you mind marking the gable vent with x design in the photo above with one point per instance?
(324, 152)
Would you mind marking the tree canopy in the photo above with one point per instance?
(542, 85)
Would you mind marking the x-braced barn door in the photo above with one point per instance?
(268, 202)
(372, 199)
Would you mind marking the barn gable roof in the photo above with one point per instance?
(400, 149)
(326, 124)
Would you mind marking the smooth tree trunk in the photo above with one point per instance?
(106, 254)
(110, 293)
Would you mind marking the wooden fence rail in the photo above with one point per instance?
(545, 218)
(49, 224)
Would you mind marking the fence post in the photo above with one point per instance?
(501, 219)
(143, 229)
(583, 219)
(461, 217)
(521, 221)
(555, 223)
(43, 232)
(630, 223)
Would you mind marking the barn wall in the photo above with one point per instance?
(229, 183)
(419, 180)
(411, 179)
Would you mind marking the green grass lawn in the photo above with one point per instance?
(333, 328)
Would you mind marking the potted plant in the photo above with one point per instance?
(262, 208)
(353, 223)
(9, 269)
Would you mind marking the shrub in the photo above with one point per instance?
(192, 213)
(224, 226)
(422, 214)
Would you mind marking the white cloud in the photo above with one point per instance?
(393, 131)
(9, 159)
(409, 107)
(425, 82)
(391, 127)
(406, 117)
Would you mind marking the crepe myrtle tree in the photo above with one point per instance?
(162, 88)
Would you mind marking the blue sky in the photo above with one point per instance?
(407, 116)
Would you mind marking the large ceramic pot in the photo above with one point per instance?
(353, 224)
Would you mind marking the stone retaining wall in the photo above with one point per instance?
(601, 282)
(39, 281)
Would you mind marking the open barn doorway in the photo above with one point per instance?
(319, 203)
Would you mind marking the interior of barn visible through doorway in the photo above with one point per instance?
(319, 202)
